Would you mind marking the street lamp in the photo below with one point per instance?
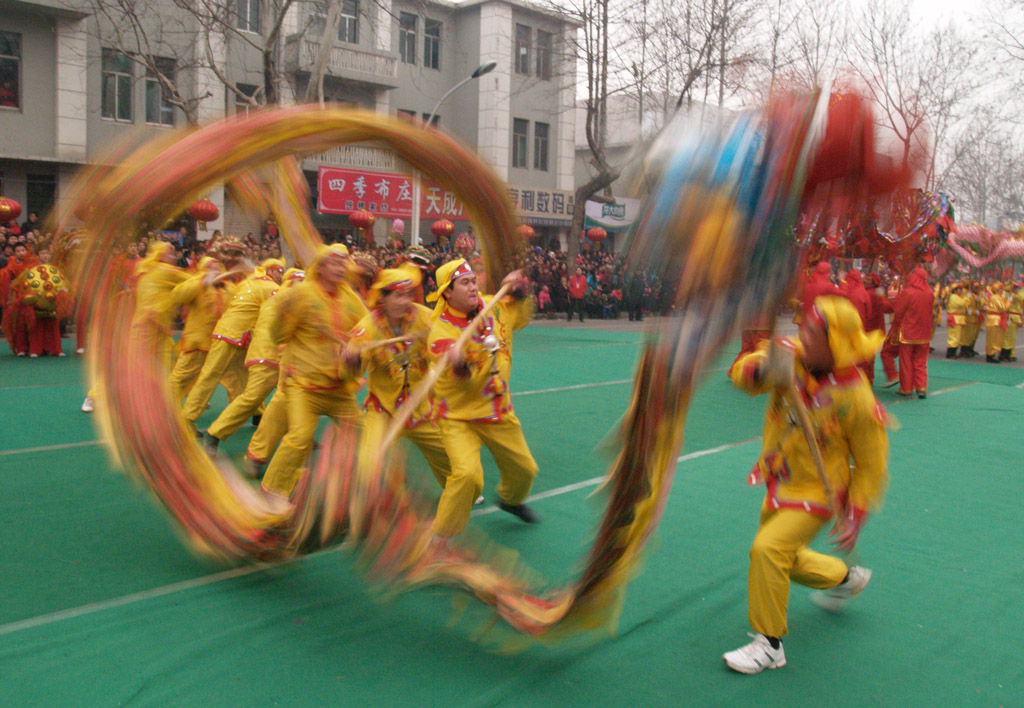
(477, 73)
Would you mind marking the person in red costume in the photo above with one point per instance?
(577, 291)
(913, 307)
(15, 323)
(876, 316)
(853, 290)
(820, 283)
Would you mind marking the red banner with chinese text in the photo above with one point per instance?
(386, 194)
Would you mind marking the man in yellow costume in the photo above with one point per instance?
(313, 323)
(995, 313)
(262, 364)
(472, 397)
(155, 306)
(973, 296)
(849, 425)
(393, 370)
(1015, 310)
(956, 321)
(232, 335)
(206, 296)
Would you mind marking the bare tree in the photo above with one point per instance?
(987, 176)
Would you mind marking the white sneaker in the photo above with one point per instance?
(33, 356)
(756, 656)
(88, 405)
(80, 350)
(836, 599)
(479, 500)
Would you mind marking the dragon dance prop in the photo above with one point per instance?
(41, 292)
(977, 247)
(718, 224)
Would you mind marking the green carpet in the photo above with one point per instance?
(142, 622)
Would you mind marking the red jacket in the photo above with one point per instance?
(853, 290)
(879, 306)
(578, 286)
(913, 307)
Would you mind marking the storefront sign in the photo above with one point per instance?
(543, 207)
(385, 194)
(618, 215)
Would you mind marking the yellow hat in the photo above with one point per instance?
(404, 277)
(445, 275)
(154, 255)
(261, 270)
(849, 343)
(292, 277)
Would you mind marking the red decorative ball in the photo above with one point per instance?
(442, 227)
(526, 232)
(204, 210)
(361, 219)
(597, 234)
(9, 209)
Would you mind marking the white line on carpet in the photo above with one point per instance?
(48, 448)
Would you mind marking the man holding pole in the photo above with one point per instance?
(473, 401)
(822, 416)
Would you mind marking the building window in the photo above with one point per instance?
(241, 107)
(10, 70)
(247, 15)
(544, 41)
(348, 29)
(117, 85)
(435, 121)
(159, 109)
(407, 115)
(520, 129)
(432, 44)
(540, 146)
(407, 24)
(40, 191)
(522, 58)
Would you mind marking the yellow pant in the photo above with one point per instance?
(272, 428)
(304, 410)
(780, 554)
(994, 340)
(426, 436)
(1010, 338)
(462, 441)
(954, 337)
(970, 334)
(224, 360)
(262, 379)
(186, 370)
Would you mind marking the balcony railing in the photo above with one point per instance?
(345, 62)
(369, 157)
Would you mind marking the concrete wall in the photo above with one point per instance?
(30, 131)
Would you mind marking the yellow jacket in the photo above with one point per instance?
(484, 395)
(235, 325)
(205, 307)
(973, 305)
(314, 327)
(154, 300)
(995, 307)
(1016, 308)
(956, 310)
(262, 349)
(396, 369)
(850, 426)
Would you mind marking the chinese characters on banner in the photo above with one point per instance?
(386, 194)
(342, 191)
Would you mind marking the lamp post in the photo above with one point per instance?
(485, 68)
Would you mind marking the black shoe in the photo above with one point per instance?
(521, 510)
(922, 394)
(256, 420)
(210, 444)
(890, 384)
(963, 353)
(1004, 355)
(991, 359)
(951, 352)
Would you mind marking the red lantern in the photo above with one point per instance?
(361, 219)
(9, 209)
(442, 227)
(597, 234)
(204, 210)
(526, 232)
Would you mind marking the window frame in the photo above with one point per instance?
(407, 38)
(542, 62)
(245, 107)
(244, 10)
(520, 150)
(348, 26)
(17, 59)
(432, 44)
(123, 79)
(522, 48)
(541, 146)
(164, 108)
